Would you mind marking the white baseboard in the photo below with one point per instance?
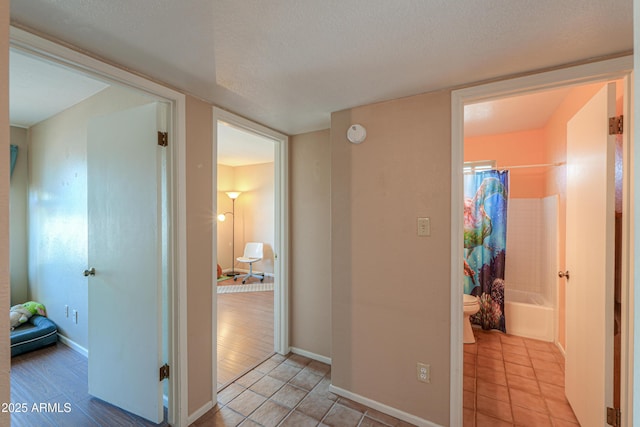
(310, 355)
(73, 345)
(401, 415)
(200, 412)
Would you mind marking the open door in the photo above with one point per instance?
(590, 259)
(125, 260)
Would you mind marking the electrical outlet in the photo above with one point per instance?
(423, 372)
(66, 311)
(75, 316)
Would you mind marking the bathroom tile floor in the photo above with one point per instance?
(513, 381)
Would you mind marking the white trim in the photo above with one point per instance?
(311, 355)
(73, 345)
(627, 266)
(200, 412)
(457, 192)
(631, 317)
(281, 268)
(401, 415)
(281, 217)
(584, 74)
(214, 253)
(178, 345)
(35, 45)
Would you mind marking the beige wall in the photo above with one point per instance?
(18, 219)
(254, 213)
(226, 179)
(391, 289)
(255, 209)
(200, 256)
(4, 208)
(310, 231)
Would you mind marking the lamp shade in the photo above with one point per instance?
(221, 217)
(233, 194)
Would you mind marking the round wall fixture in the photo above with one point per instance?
(356, 134)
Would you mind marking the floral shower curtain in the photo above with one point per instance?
(485, 237)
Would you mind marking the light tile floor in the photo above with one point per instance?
(508, 381)
(513, 381)
(290, 391)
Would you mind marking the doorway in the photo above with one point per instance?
(592, 73)
(245, 220)
(62, 58)
(251, 206)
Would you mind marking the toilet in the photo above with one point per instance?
(471, 307)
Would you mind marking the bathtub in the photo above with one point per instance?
(529, 315)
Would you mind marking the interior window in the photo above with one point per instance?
(478, 166)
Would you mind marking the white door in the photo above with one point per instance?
(125, 298)
(590, 259)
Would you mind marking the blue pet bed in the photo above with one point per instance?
(36, 333)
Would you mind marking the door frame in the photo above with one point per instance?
(281, 232)
(613, 69)
(177, 339)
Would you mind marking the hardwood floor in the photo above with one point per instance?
(57, 375)
(245, 332)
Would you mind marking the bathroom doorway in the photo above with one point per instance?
(538, 173)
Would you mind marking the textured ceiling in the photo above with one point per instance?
(289, 63)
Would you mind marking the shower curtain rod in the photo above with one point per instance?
(541, 165)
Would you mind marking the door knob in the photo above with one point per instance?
(563, 274)
(90, 272)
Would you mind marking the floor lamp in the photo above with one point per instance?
(233, 195)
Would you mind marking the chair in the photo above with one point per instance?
(252, 253)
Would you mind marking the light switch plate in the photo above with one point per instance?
(424, 227)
